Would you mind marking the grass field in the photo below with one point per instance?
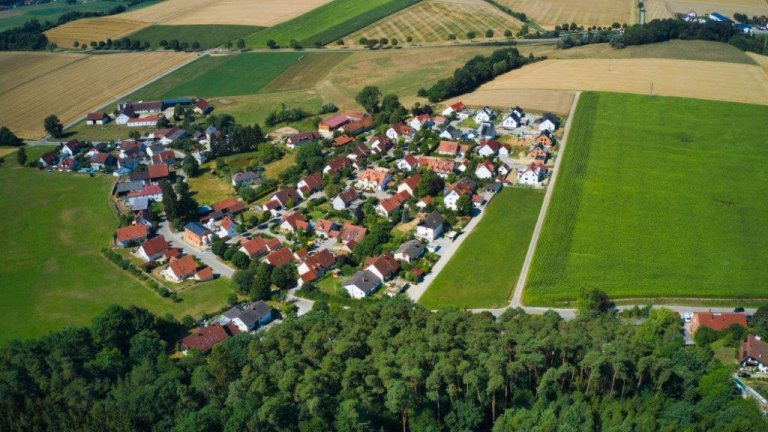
(213, 76)
(208, 188)
(307, 72)
(657, 197)
(674, 49)
(75, 88)
(549, 13)
(208, 36)
(108, 132)
(665, 77)
(328, 23)
(52, 11)
(484, 270)
(52, 270)
(255, 108)
(432, 21)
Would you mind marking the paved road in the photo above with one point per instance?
(206, 256)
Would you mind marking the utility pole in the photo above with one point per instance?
(651, 88)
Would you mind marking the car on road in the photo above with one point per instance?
(739, 309)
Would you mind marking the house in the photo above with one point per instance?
(484, 115)
(286, 197)
(539, 152)
(158, 172)
(717, 321)
(385, 266)
(352, 235)
(431, 227)
(344, 199)
(197, 235)
(246, 178)
(127, 187)
(165, 157)
(330, 124)
(310, 184)
(204, 274)
(125, 112)
(549, 122)
(254, 247)
(464, 186)
(72, 148)
(143, 121)
(486, 131)
(512, 121)
(504, 150)
(380, 144)
(148, 107)
(129, 149)
(317, 264)
(454, 108)
(424, 202)
(202, 107)
(546, 139)
(441, 167)
(337, 165)
(358, 126)
(373, 179)
(247, 317)
(326, 228)
(358, 152)
(102, 160)
(410, 185)
(227, 228)
(342, 140)
(399, 130)
(533, 174)
(149, 192)
(139, 207)
(153, 249)
(421, 121)
(298, 139)
(714, 16)
(294, 222)
(389, 205)
(96, 118)
(448, 148)
(180, 269)
(203, 339)
(753, 354)
(68, 164)
(131, 235)
(167, 136)
(504, 169)
(488, 148)
(451, 133)
(410, 251)
(408, 163)
(279, 257)
(230, 206)
(485, 170)
(362, 284)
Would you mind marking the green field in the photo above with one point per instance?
(108, 132)
(52, 11)
(657, 197)
(329, 22)
(213, 76)
(208, 36)
(51, 268)
(484, 270)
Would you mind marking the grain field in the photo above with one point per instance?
(16, 68)
(549, 13)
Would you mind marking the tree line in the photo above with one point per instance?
(478, 70)
(376, 365)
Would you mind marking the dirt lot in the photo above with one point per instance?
(684, 78)
(75, 88)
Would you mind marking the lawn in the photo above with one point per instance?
(208, 188)
(52, 270)
(657, 197)
(208, 36)
(328, 23)
(108, 132)
(255, 108)
(484, 270)
(213, 76)
(52, 11)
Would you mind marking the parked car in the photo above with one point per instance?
(739, 309)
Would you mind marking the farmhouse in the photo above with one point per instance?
(148, 107)
(131, 235)
(96, 118)
(330, 124)
(358, 126)
(72, 148)
(149, 192)
(168, 136)
(753, 354)
(102, 160)
(180, 269)
(298, 139)
(124, 114)
(68, 164)
(204, 338)
(248, 317)
(166, 157)
(342, 140)
(431, 228)
(310, 184)
(197, 235)
(717, 321)
(344, 199)
(454, 108)
(202, 107)
(153, 249)
(362, 284)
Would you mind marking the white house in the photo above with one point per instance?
(531, 175)
(484, 170)
(152, 249)
(431, 228)
(753, 354)
(547, 124)
(488, 148)
(512, 121)
(485, 115)
(362, 284)
(422, 121)
(344, 199)
(408, 163)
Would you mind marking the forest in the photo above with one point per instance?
(386, 365)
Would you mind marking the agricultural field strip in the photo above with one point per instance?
(549, 13)
(34, 65)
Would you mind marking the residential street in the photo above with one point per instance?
(206, 256)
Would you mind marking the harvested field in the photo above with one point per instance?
(30, 66)
(549, 13)
(557, 101)
(725, 7)
(685, 78)
(170, 12)
(433, 20)
(67, 93)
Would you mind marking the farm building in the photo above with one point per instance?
(96, 118)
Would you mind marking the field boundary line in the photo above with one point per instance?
(522, 279)
(50, 71)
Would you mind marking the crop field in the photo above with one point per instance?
(432, 21)
(664, 77)
(674, 49)
(307, 72)
(329, 23)
(536, 100)
(648, 206)
(549, 13)
(52, 11)
(208, 36)
(484, 270)
(260, 13)
(725, 7)
(255, 108)
(78, 87)
(30, 66)
(52, 270)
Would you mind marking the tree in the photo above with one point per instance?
(284, 276)
(489, 33)
(383, 41)
(195, 45)
(409, 39)
(162, 122)
(593, 302)
(261, 288)
(76, 44)
(310, 157)
(464, 205)
(169, 200)
(471, 35)
(190, 166)
(53, 126)
(241, 43)
(271, 44)
(243, 279)
(369, 98)
(21, 156)
(8, 138)
(240, 260)
(394, 42)
(508, 33)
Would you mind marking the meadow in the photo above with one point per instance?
(52, 11)
(657, 198)
(52, 269)
(484, 270)
(328, 23)
(208, 36)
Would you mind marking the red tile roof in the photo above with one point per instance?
(229, 205)
(184, 266)
(280, 257)
(205, 273)
(395, 201)
(458, 106)
(386, 265)
(717, 321)
(95, 116)
(148, 190)
(297, 221)
(448, 147)
(132, 232)
(255, 246)
(158, 171)
(334, 121)
(352, 233)
(321, 260)
(755, 348)
(314, 181)
(155, 245)
(204, 338)
(342, 140)
(436, 164)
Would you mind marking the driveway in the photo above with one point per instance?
(205, 256)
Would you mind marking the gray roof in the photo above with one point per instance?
(141, 203)
(365, 280)
(245, 176)
(433, 220)
(249, 314)
(412, 249)
(129, 186)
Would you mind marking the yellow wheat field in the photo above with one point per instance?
(241, 12)
(665, 77)
(30, 66)
(549, 13)
(78, 87)
(433, 20)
